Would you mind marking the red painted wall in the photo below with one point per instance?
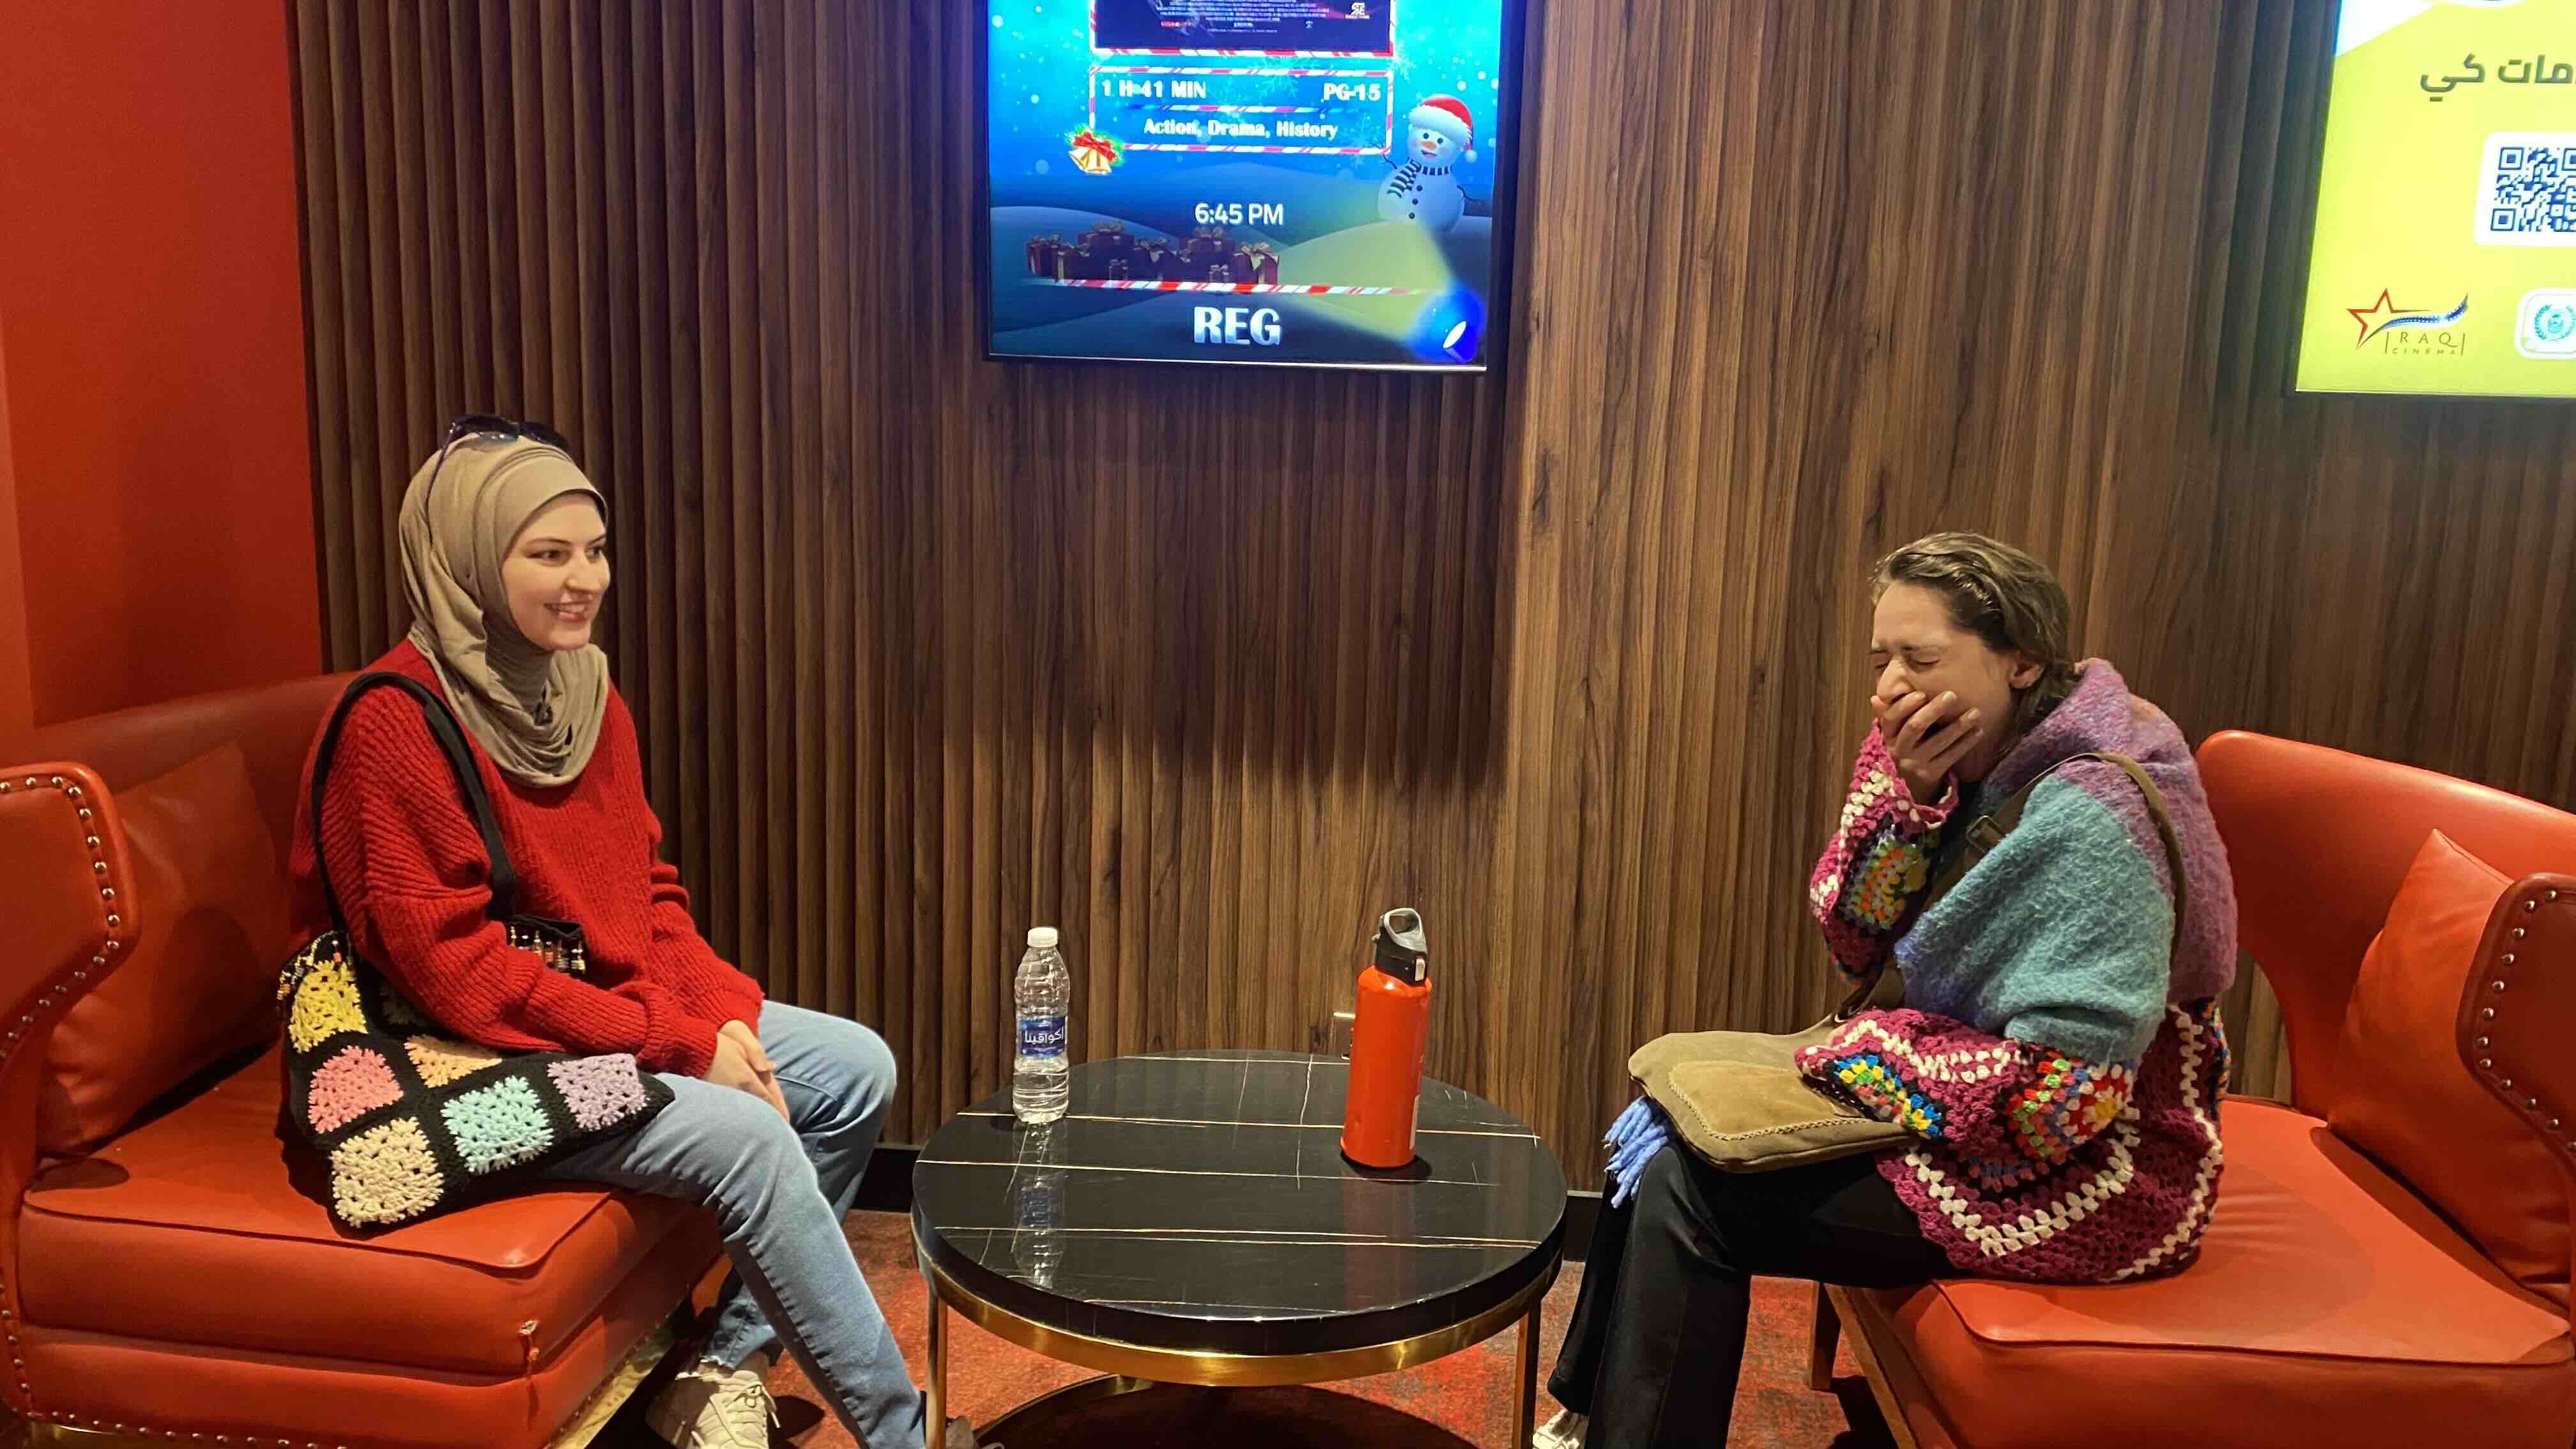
(17, 699)
(151, 317)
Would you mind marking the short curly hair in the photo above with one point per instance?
(2002, 595)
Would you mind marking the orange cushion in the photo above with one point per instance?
(189, 1230)
(2329, 1306)
(202, 980)
(2409, 1101)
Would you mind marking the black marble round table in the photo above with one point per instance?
(1191, 1220)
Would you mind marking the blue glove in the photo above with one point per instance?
(1633, 1140)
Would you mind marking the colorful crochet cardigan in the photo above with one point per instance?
(2059, 1052)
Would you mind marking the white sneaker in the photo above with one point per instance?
(707, 1407)
(1565, 1431)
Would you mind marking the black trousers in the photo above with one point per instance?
(1658, 1332)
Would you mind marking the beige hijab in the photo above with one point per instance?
(536, 711)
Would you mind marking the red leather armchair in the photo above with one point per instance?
(174, 1283)
(2332, 1303)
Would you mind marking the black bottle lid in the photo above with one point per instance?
(1401, 951)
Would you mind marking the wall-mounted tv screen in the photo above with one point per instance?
(1314, 182)
(2444, 251)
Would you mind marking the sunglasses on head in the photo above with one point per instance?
(492, 425)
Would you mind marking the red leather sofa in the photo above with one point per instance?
(164, 1273)
(2388, 1262)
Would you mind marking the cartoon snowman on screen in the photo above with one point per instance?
(1437, 136)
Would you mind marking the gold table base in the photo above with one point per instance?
(1131, 1367)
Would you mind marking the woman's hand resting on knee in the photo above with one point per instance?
(742, 1065)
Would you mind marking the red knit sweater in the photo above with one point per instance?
(409, 869)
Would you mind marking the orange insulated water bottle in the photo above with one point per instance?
(1388, 1027)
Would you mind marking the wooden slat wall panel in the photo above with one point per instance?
(1209, 669)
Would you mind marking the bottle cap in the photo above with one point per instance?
(1043, 937)
(1400, 945)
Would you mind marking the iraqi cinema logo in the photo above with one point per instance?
(2412, 331)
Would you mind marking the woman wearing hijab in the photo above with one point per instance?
(775, 1110)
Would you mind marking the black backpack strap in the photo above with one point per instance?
(2162, 812)
(1988, 831)
(1985, 833)
(504, 879)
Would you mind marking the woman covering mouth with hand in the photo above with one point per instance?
(2056, 1061)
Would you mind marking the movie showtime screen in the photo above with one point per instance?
(1308, 182)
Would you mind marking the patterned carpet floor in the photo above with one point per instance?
(1462, 1400)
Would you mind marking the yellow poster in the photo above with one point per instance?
(2444, 258)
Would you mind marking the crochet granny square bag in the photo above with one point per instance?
(411, 1119)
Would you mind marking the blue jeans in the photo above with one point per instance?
(780, 1193)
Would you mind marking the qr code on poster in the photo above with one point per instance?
(2527, 194)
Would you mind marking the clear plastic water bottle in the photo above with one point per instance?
(1045, 995)
(1037, 1206)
